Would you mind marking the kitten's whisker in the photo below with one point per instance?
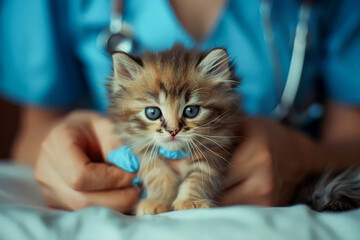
(146, 163)
(122, 108)
(215, 143)
(193, 159)
(198, 149)
(217, 118)
(207, 166)
(147, 146)
(194, 128)
(221, 118)
(207, 159)
(197, 163)
(149, 160)
(203, 155)
(190, 150)
(136, 143)
(140, 139)
(153, 154)
(210, 127)
(227, 161)
(223, 136)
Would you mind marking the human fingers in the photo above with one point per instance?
(122, 200)
(85, 175)
(245, 160)
(258, 189)
(59, 195)
(104, 131)
(246, 194)
(250, 178)
(71, 148)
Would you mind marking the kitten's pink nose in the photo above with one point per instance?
(173, 132)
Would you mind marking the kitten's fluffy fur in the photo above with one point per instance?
(331, 191)
(171, 81)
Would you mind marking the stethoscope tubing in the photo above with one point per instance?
(286, 94)
(283, 109)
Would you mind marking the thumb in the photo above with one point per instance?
(105, 133)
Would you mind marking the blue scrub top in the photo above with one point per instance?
(49, 56)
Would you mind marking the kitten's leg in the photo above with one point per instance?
(200, 187)
(161, 185)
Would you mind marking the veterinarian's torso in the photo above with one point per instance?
(66, 40)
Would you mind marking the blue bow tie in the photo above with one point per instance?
(124, 158)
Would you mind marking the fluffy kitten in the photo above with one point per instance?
(185, 100)
(178, 100)
(331, 191)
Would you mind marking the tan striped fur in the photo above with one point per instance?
(172, 80)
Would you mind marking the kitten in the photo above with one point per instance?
(186, 100)
(178, 100)
(330, 191)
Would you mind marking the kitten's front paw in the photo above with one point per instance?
(191, 204)
(152, 206)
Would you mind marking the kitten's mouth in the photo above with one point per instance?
(174, 139)
(172, 143)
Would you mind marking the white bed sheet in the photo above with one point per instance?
(23, 215)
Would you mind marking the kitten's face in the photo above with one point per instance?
(173, 121)
(172, 99)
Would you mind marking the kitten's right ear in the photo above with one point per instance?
(215, 64)
(125, 67)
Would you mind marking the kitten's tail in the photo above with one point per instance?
(337, 192)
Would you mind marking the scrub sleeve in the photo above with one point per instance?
(38, 66)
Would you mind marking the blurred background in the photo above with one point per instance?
(8, 125)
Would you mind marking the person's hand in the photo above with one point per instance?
(267, 166)
(72, 170)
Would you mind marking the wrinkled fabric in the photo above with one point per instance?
(23, 215)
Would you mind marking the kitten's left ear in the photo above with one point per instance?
(125, 66)
(215, 64)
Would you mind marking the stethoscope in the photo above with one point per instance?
(118, 37)
(284, 110)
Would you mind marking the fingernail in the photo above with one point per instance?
(136, 181)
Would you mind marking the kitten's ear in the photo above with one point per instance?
(125, 67)
(215, 63)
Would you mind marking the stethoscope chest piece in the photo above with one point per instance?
(118, 36)
(119, 41)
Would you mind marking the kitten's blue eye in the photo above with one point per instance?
(191, 111)
(153, 113)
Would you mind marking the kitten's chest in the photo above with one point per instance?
(179, 166)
